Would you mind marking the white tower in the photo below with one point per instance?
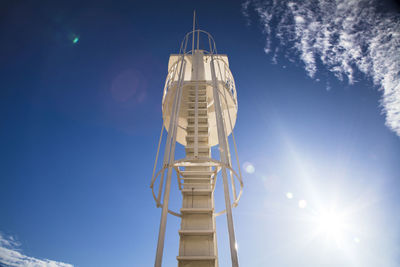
(199, 111)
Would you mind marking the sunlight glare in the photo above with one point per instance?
(330, 223)
(335, 227)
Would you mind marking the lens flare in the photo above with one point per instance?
(302, 204)
(249, 167)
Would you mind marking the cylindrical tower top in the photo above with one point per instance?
(192, 68)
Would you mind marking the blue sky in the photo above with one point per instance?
(80, 124)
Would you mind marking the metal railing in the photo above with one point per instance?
(187, 162)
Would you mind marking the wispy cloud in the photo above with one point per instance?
(346, 36)
(10, 255)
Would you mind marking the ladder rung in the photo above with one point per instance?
(196, 173)
(202, 140)
(200, 109)
(202, 97)
(200, 125)
(196, 258)
(201, 105)
(200, 148)
(196, 232)
(199, 89)
(196, 210)
(194, 92)
(196, 192)
(195, 179)
(197, 186)
(201, 94)
(193, 185)
(201, 132)
(200, 117)
(202, 163)
(199, 135)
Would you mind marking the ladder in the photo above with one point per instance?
(198, 240)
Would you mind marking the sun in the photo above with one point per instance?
(332, 225)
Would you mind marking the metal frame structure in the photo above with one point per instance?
(222, 100)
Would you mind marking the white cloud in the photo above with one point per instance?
(11, 256)
(347, 36)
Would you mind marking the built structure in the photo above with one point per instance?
(199, 106)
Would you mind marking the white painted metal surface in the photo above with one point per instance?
(199, 111)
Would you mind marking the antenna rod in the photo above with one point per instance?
(194, 21)
(198, 35)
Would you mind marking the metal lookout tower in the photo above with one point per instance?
(199, 107)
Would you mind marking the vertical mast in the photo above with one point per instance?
(194, 22)
(169, 157)
(222, 138)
